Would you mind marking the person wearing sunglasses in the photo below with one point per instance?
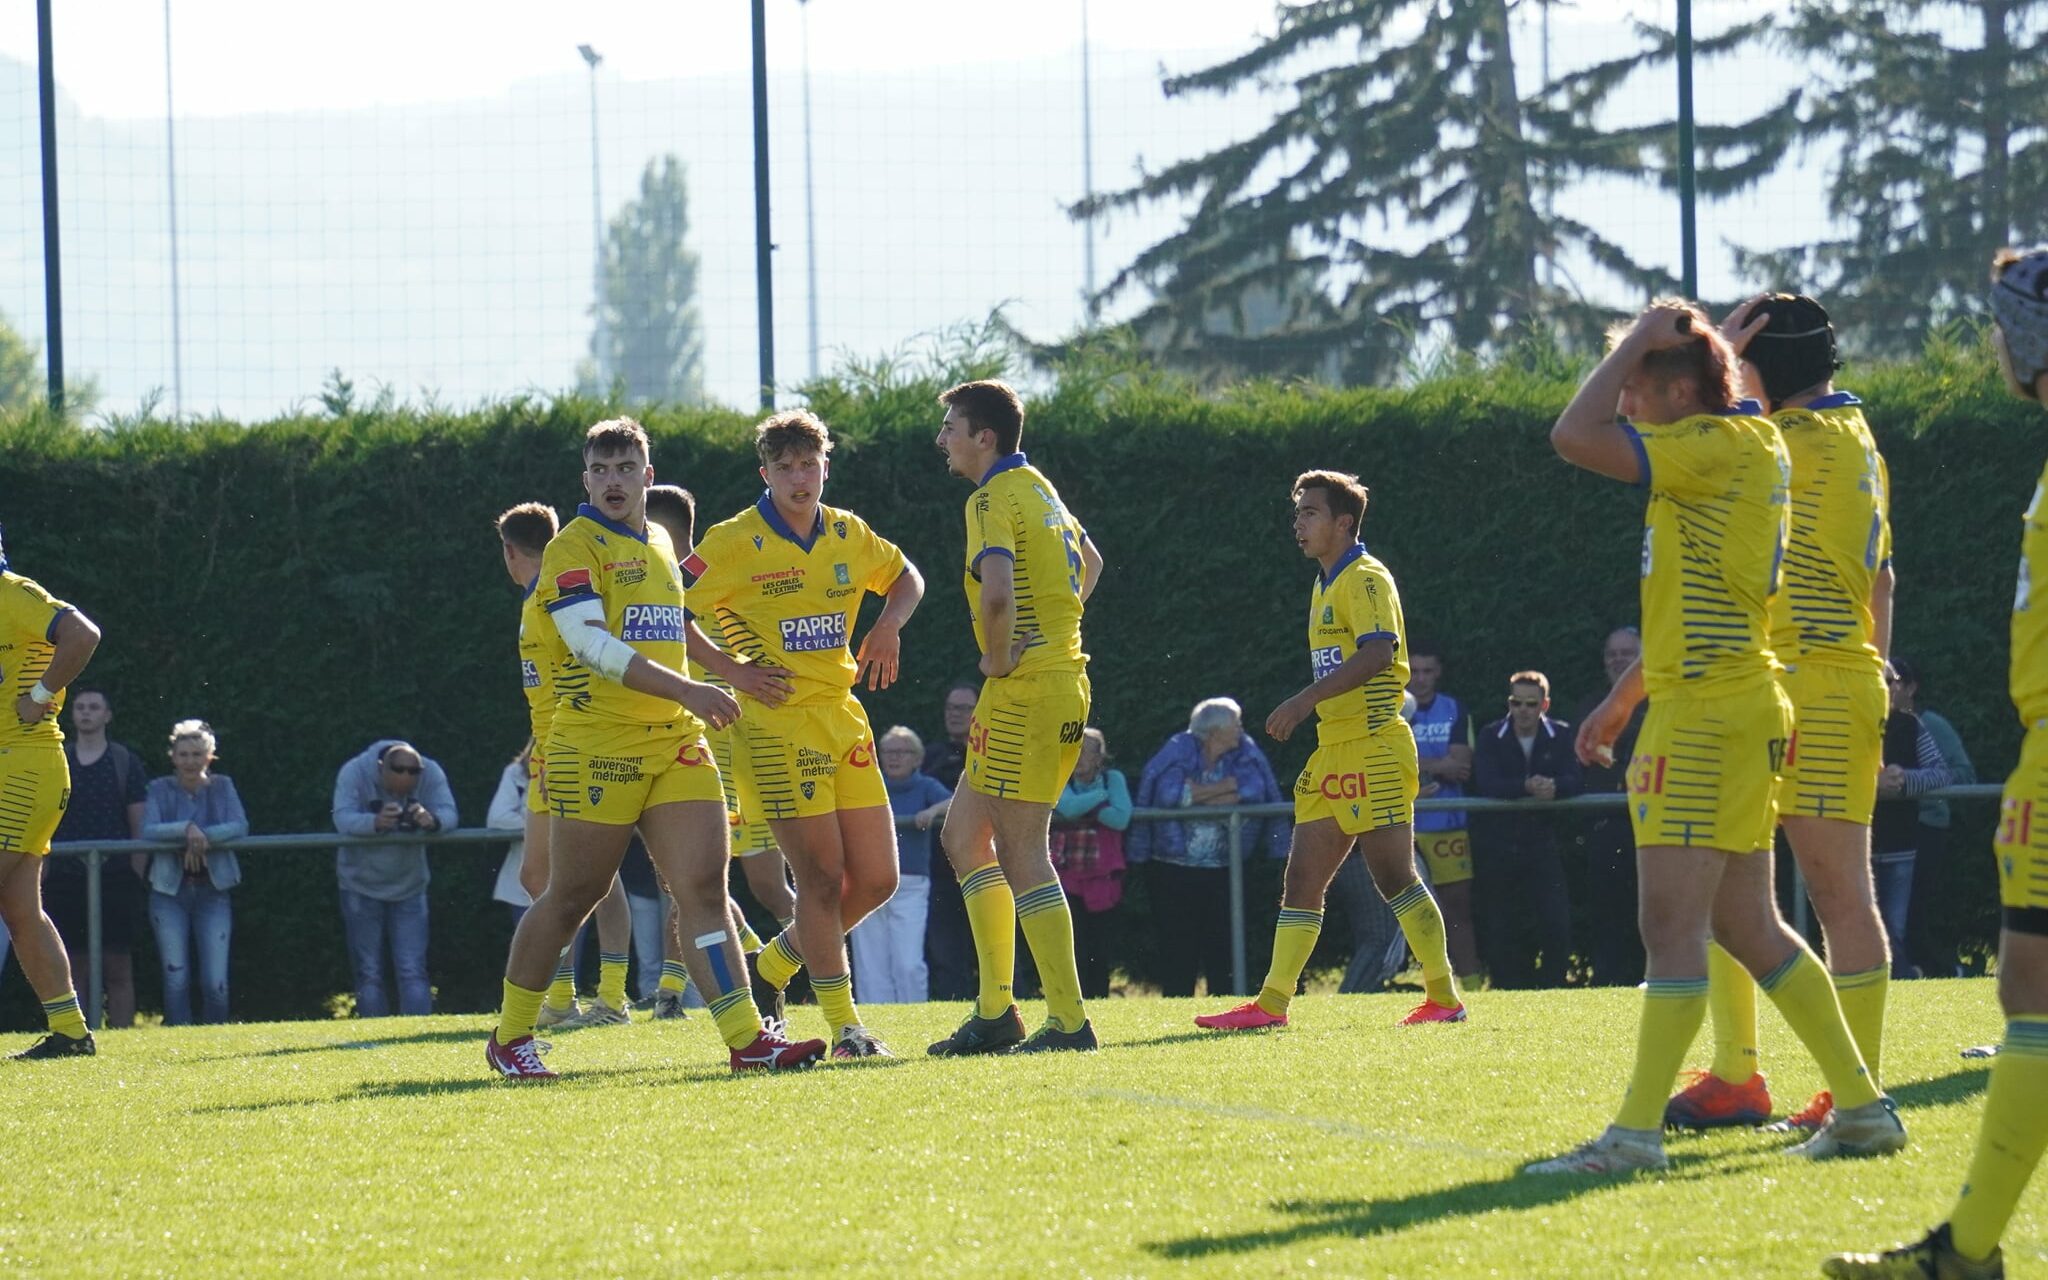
(390, 789)
(1525, 912)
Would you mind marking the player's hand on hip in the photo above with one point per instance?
(29, 711)
(712, 705)
(770, 686)
(880, 651)
(1286, 718)
(995, 667)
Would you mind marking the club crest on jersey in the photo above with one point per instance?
(1329, 615)
(810, 789)
(840, 575)
(652, 622)
(596, 795)
(815, 633)
(839, 527)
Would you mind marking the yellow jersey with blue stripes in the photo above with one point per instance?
(790, 600)
(1714, 538)
(541, 654)
(28, 629)
(1017, 513)
(1840, 536)
(2030, 614)
(633, 575)
(1351, 604)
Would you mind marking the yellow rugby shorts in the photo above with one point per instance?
(1706, 771)
(1026, 735)
(1363, 784)
(800, 762)
(613, 773)
(2022, 841)
(1838, 716)
(35, 788)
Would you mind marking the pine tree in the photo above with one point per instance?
(1404, 185)
(650, 342)
(1938, 111)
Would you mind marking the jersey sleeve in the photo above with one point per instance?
(1884, 513)
(990, 529)
(881, 561)
(1366, 606)
(711, 570)
(28, 611)
(569, 573)
(1687, 459)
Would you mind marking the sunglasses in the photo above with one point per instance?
(1525, 702)
(403, 768)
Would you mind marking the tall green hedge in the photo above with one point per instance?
(310, 584)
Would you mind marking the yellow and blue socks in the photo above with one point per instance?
(779, 960)
(1422, 924)
(1048, 924)
(738, 1021)
(1673, 1009)
(1294, 940)
(674, 977)
(611, 978)
(1731, 1001)
(561, 993)
(992, 915)
(750, 942)
(64, 1016)
(1862, 996)
(1805, 995)
(835, 1000)
(519, 1012)
(2010, 1143)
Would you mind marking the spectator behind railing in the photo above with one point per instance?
(508, 813)
(1912, 766)
(389, 789)
(1088, 825)
(107, 781)
(1214, 763)
(1443, 753)
(948, 940)
(1525, 914)
(888, 947)
(188, 901)
(1930, 956)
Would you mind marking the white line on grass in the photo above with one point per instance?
(1266, 1115)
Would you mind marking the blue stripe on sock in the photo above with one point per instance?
(727, 1001)
(1408, 898)
(986, 878)
(1770, 981)
(2028, 1037)
(611, 957)
(1046, 897)
(63, 1004)
(673, 969)
(1861, 978)
(1675, 988)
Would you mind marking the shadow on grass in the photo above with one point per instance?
(1959, 1085)
(1176, 1037)
(1320, 1219)
(364, 1042)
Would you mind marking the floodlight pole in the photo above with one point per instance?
(1688, 217)
(600, 349)
(171, 181)
(53, 286)
(764, 247)
(1087, 171)
(810, 206)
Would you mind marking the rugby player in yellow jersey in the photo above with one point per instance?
(1030, 570)
(627, 748)
(2015, 1128)
(523, 534)
(1831, 628)
(44, 644)
(784, 581)
(1703, 785)
(675, 509)
(1359, 786)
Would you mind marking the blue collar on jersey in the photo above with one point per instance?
(1357, 550)
(595, 516)
(766, 506)
(1838, 400)
(1753, 408)
(1008, 462)
(528, 593)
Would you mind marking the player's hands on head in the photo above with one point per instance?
(1661, 328)
(709, 703)
(880, 650)
(771, 686)
(1745, 322)
(1286, 718)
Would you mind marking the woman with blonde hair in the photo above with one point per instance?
(188, 900)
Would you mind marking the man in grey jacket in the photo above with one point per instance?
(389, 789)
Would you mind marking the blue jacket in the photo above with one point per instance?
(217, 810)
(1499, 769)
(1166, 776)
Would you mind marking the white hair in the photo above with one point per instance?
(1214, 713)
(901, 733)
(194, 729)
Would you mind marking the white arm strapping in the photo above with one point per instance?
(583, 630)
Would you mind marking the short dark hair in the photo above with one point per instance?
(989, 405)
(676, 508)
(1907, 671)
(791, 429)
(616, 435)
(1342, 490)
(1796, 350)
(77, 691)
(1536, 678)
(528, 526)
(1423, 647)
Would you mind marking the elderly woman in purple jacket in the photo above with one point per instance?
(1214, 763)
(188, 900)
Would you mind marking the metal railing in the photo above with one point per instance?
(95, 854)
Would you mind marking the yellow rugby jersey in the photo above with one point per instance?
(634, 576)
(1017, 513)
(1841, 535)
(1713, 548)
(1351, 604)
(790, 600)
(541, 654)
(28, 621)
(2030, 613)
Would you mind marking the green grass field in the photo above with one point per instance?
(1340, 1146)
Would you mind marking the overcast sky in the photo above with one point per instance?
(403, 190)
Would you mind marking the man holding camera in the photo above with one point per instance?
(390, 789)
